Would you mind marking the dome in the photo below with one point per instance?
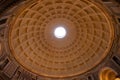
(88, 37)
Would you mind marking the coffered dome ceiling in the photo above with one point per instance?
(88, 40)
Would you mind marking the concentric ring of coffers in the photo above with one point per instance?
(90, 35)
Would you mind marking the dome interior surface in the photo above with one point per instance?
(88, 41)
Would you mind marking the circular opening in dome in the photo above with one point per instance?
(60, 32)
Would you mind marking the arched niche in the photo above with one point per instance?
(108, 74)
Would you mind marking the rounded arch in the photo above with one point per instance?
(108, 74)
(117, 78)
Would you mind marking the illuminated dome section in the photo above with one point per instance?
(36, 43)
